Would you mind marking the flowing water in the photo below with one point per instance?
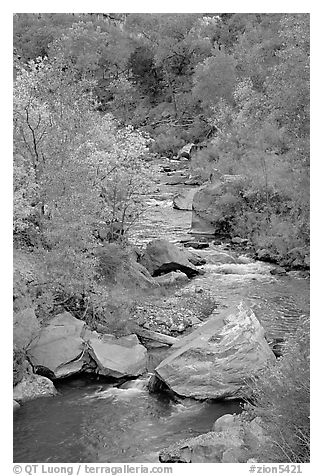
(91, 421)
(100, 423)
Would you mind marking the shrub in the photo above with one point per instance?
(167, 142)
(282, 400)
(203, 162)
(112, 260)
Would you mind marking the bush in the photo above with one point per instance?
(167, 142)
(112, 260)
(203, 162)
(282, 400)
(268, 217)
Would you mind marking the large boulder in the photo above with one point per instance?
(117, 357)
(184, 199)
(232, 440)
(25, 327)
(59, 347)
(219, 358)
(207, 214)
(33, 386)
(162, 257)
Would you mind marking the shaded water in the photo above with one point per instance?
(94, 422)
(99, 423)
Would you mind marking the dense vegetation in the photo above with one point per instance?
(96, 96)
(237, 83)
(282, 398)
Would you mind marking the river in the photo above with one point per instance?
(94, 421)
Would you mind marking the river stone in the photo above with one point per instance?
(197, 245)
(176, 178)
(184, 199)
(117, 357)
(186, 151)
(171, 278)
(195, 258)
(219, 358)
(25, 327)
(220, 257)
(33, 386)
(205, 448)
(59, 346)
(232, 440)
(161, 257)
(207, 214)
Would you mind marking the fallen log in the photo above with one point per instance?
(147, 334)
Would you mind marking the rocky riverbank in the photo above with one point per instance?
(215, 313)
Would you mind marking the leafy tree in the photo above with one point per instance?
(145, 73)
(82, 170)
(33, 33)
(215, 79)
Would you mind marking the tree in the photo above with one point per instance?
(82, 170)
(215, 79)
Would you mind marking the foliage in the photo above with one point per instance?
(263, 135)
(244, 78)
(214, 79)
(73, 170)
(282, 400)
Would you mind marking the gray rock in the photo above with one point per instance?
(161, 257)
(186, 151)
(231, 440)
(207, 215)
(238, 241)
(198, 245)
(219, 358)
(25, 327)
(184, 199)
(298, 274)
(176, 179)
(206, 448)
(223, 422)
(219, 257)
(263, 254)
(59, 346)
(278, 270)
(139, 276)
(33, 386)
(117, 357)
(195, 258)
(199, 289)
(171, 278)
